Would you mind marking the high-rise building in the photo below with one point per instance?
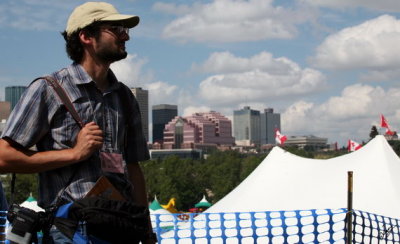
(13, 93)
(270, 122)
(254, 128)
(142, 96)
(162, 114)
(246, 126)
(201, 129)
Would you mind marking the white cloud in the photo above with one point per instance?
(131, 72)
(355, 101)
(226, 62)
(36, 14)
(368, 45)
(295, 117)
(381, 5)
(189, 110)
(255, 79)
(349, 115)
(161, 92)
(232, 21)
(378, 75)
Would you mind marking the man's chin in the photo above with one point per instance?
(121, 57)
(116, 57)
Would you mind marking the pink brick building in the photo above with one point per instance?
(198, 130)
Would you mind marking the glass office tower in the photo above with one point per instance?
(13, 93)
(162, 114)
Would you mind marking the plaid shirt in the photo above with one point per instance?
(41, 119)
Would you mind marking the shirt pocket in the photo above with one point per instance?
(64, 128)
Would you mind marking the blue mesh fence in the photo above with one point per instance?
(2, 225)
(372, 228)
(298, 226)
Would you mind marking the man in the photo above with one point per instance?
(70, 160)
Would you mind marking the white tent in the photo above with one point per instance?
(284, 181)
(31, 203)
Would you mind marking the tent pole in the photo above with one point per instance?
(349, 214)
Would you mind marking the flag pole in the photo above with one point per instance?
(349, 214)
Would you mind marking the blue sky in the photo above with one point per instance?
(329, 67)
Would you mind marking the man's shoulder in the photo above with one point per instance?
(59, 75)
(73, 74)
(68, 72)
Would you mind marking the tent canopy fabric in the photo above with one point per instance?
(284, 181)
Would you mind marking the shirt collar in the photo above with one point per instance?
(80, 76)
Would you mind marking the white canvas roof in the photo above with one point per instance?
(284, 181)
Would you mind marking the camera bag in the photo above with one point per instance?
(109, 220)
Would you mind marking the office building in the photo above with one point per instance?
(269, 122)
(162, 114)
(142, 96)
(252, 128)
(246, 124)
(13, 93)
(200, 130)
(307, 142)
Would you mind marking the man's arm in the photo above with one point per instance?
(16, 159)
(137, 179)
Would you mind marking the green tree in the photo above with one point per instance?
(395, 144)
(300, 152)
(25, 184)
(174, 178)
(374, 132)
(223, 173)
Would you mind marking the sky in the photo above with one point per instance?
(329, 67)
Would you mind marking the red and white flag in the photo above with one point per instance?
(279, 138)
(385, 124)
(353, 146)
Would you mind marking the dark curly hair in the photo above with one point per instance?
(73, 44)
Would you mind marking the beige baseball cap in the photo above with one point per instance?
(90, 12)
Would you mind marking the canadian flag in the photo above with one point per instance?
(353, 146)
(279, 138)
(385, 124)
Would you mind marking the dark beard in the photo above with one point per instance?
(110, 56)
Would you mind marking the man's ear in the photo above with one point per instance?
(85, 38)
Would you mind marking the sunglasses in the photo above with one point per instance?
(117, 29)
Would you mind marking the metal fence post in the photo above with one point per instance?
(349, 214)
